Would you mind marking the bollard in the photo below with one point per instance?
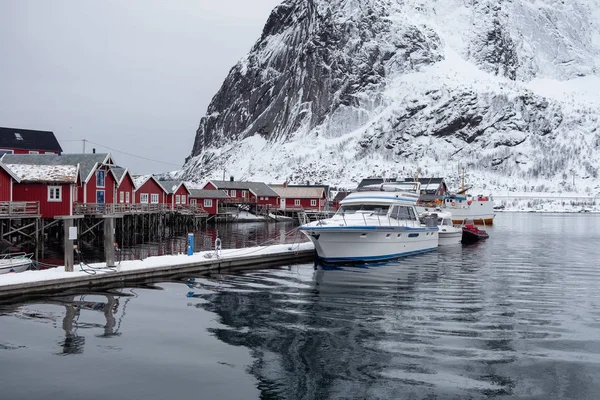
(190, 248)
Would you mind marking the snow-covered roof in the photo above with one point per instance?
(45, 173)
(258, 188)
(299, 192)
(87, 161)
(171, 186)
(139, 180)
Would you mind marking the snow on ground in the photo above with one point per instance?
(148, 263)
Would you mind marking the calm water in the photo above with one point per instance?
(516, 317)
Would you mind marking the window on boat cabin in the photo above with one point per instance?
(177, 199)
(313, 203)
(127, 197)
(54, 193)
(207, 202)
(122, 197)
(403, 212)
(233, 193)
(373, 209)
(100, 174)
(154, 198)
(144, 198)
(297, 202)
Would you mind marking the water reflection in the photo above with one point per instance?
(74, 322)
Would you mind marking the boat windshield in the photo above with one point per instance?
(371, 209)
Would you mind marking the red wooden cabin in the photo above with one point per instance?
(26, 141)
(148, 190)
(96, 184)
(125, 186)
(312, 198)
(207, 199)
(178, 194)
(54, 186)
(246, 192)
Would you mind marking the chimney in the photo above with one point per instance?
(285, 184)
(94, 150)
(307, 183)
(231, 178)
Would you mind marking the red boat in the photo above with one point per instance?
(472, 234)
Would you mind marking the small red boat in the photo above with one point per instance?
(472, 234)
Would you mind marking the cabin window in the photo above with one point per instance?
(33, 152)
(178, 199)
(207, 202)
(126, 197)
(144, 198)
(313, 203)
(413, 235)
(154, 198)
(100, 178)
(244, 193)
(266, 198)
(54, 193)
(297, 202)
(193, 202)
(233, 193)
(183, 199)
(5, 151)
(261, 198)
(122, 197)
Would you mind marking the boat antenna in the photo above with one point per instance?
(462, 189)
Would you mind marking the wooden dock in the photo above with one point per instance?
(231, 260)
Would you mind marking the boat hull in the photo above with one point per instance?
(450, 238)
(17, 266)
(365, 244)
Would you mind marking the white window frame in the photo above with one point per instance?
(177, 199)
(296, 202)
(266, 198)
(233, 193)
(183, 199)
(260, 198)
(122, 197)
(103, 178)
(313, 202)
(154, 198)
(33, 152)
(244, 193)
(208, 203)
(127, 197)
(143, 198)
(54, 194)
(192, 202)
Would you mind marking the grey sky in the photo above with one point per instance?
(134, 75)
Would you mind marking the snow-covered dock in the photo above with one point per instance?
(30, 283)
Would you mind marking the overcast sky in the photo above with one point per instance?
(133, 75)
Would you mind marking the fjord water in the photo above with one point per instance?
(516, 317)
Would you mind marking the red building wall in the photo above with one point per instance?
(39, 192)
(239, 195)
(19, 151)
(181, 191)
(150, 187)
(109, 187)
(200, 203)
(5, 181)
(290, 203)
(126, 185)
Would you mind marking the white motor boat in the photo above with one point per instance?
(449, 234)
(15, 262)
(372, 226)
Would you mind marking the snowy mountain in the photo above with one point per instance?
(338, 90)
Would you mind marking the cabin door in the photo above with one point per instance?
(282, 203)
(100, 196)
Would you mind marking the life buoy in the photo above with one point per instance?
(453, 204)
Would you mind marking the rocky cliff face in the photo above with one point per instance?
(337, 90)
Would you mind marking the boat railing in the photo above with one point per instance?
(390, 221)
(16, 255)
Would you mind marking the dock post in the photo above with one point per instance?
(109, 241)
(68, 244)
